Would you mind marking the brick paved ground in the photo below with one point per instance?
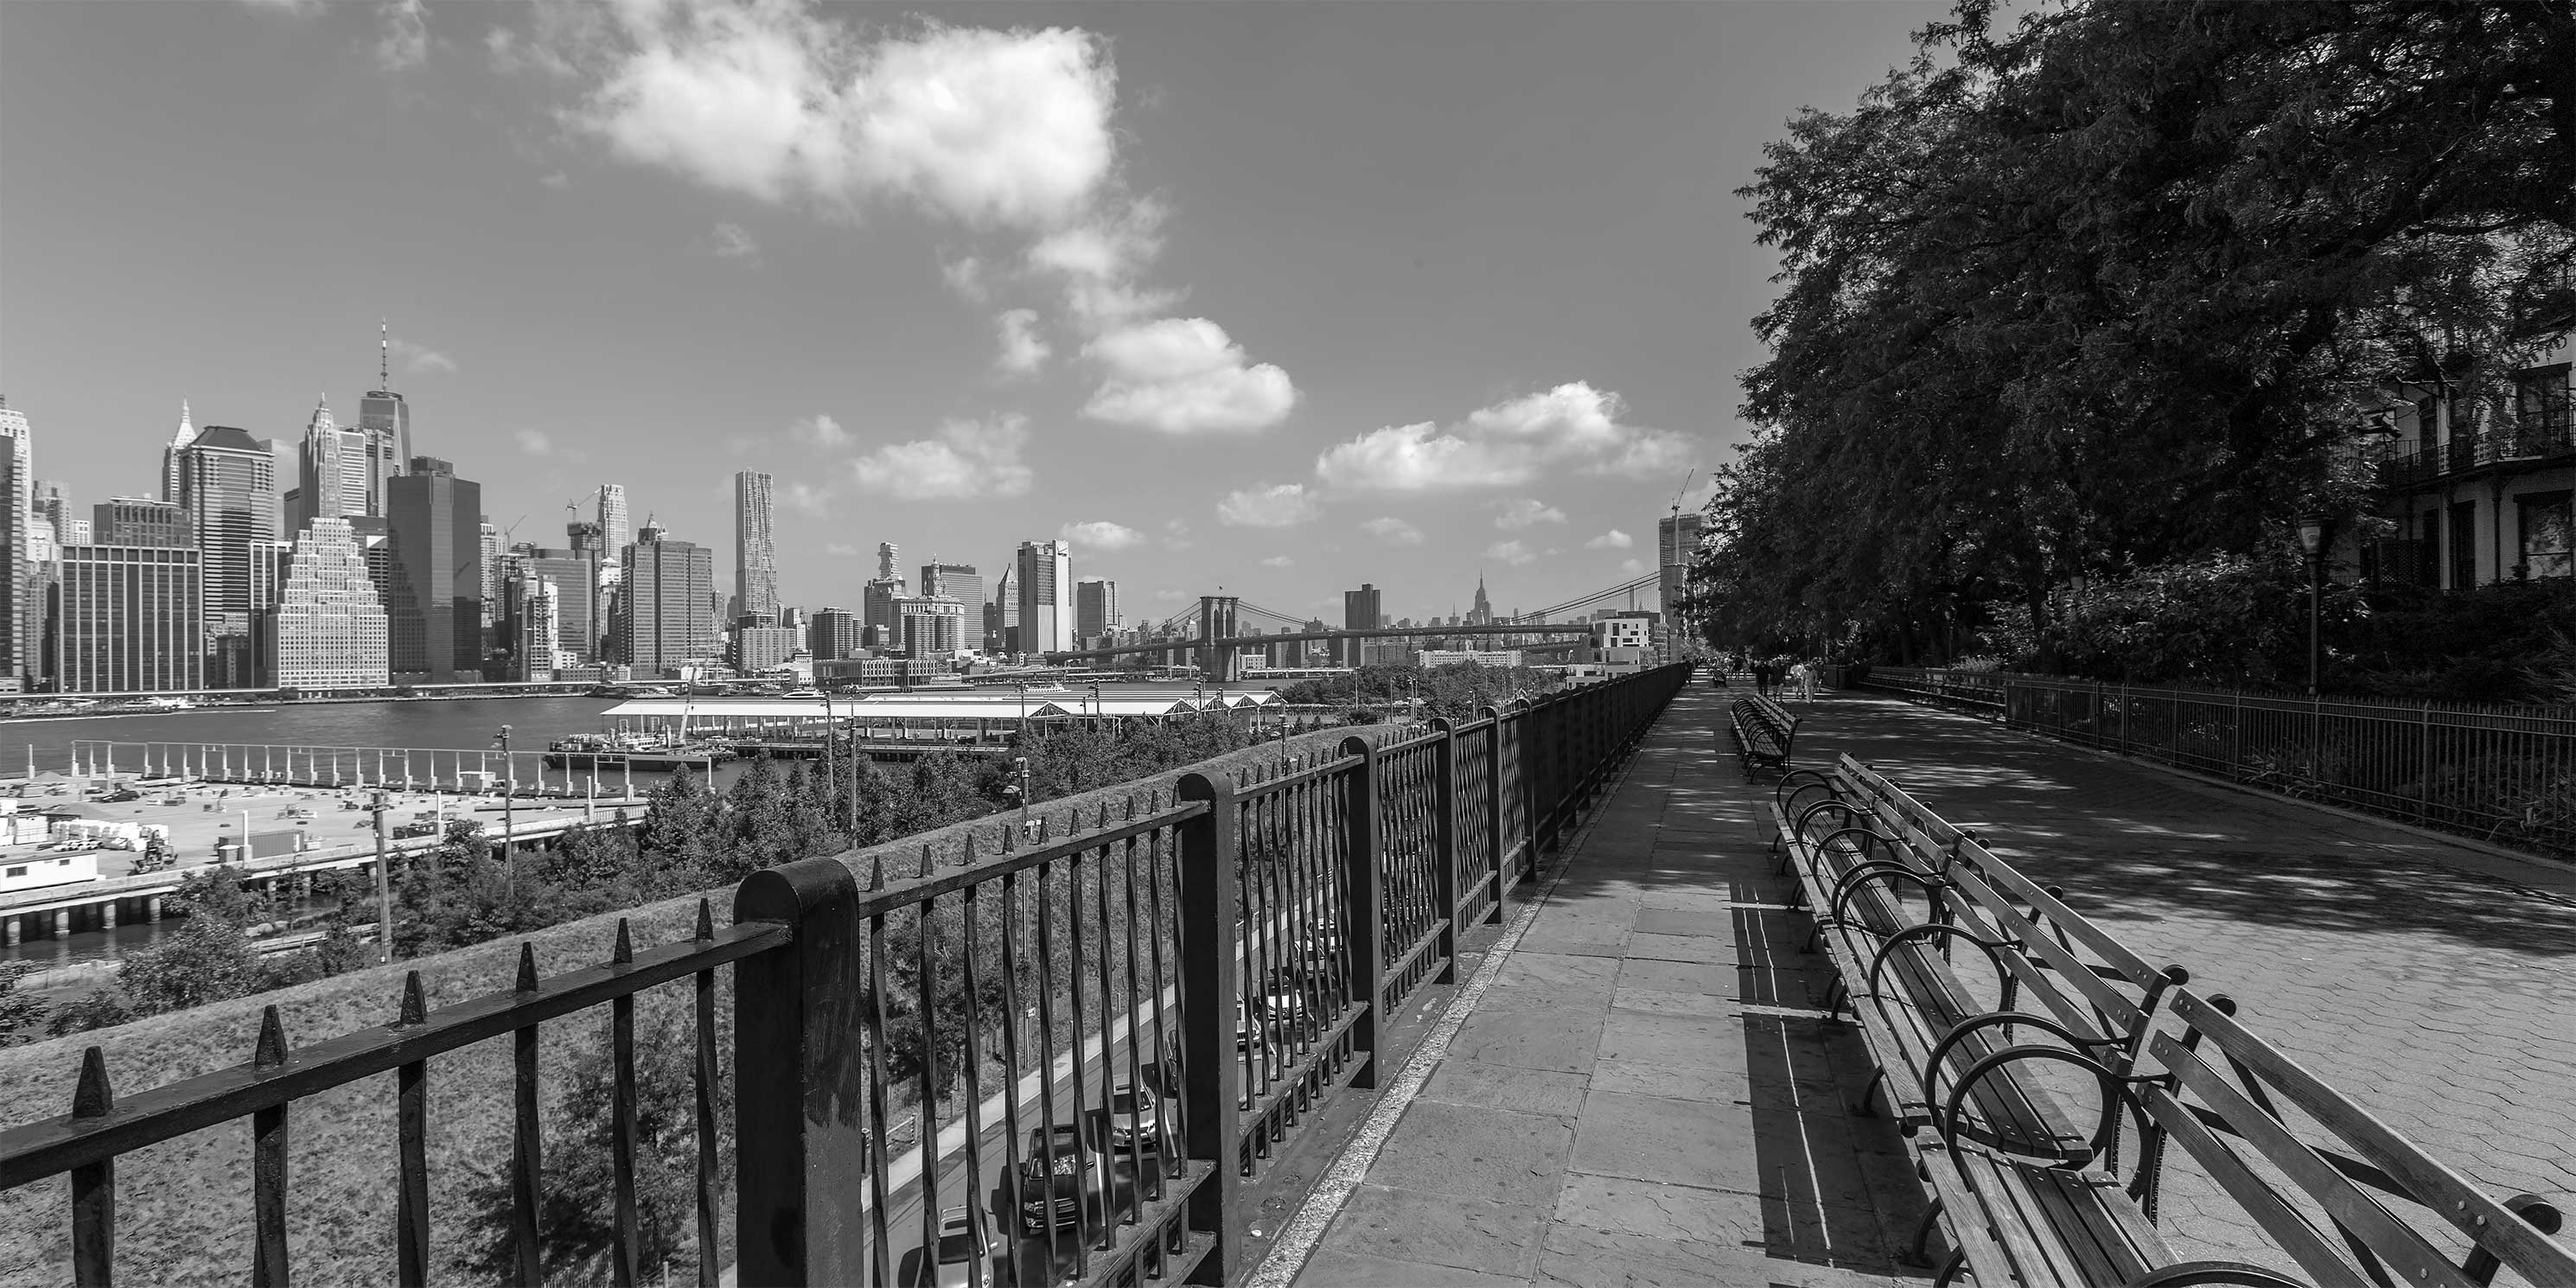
(1644, 1097)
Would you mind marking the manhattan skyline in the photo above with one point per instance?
(1207, 293)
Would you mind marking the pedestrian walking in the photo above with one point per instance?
(1762, 676)
(1802, 684)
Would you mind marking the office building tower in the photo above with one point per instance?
(877, 603)
(833, 634)
(1676, 544)
(1004, 621)
(1360, 611)
(1483, 613)
(385, 419)
(434, 620)
(794, 619)
(332, 471)
(584, 538)
(931, 625)
(1045, 585)
(1095, 610)
(755, 545)
(959, 582)
(53, 503)
(227, 486)
(579, 604)
(22, 613)
(127, 610)
(536, 629)
(761, 648)
(665, 619)
(179, 440)
(614, 534)
(328, 628)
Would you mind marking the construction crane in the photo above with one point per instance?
(1683, 490)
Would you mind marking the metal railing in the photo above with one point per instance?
(1052, 1014)
(2502, 774)
(2542, 436)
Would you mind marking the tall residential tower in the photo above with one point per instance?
(755, 546)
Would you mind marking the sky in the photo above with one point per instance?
(1259, 299)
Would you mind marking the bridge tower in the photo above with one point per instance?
(1216, 622)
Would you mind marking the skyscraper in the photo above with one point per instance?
(227, 486)
(959, 582)
(755, 547)
(932, 625)
(887, 557)
(833, 635)
(179, 440)
(22, 614)
(1002, 625)
(665, 619)
(614, 533)
(1360, 611)
(127, 609)
(435, 520)
(328, 629)
(333, 471)
(385, 419)
(1483, 612)
(1676, 544)
(1045, 585)
(1095, 608)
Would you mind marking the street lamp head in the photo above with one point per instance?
(2312, 532)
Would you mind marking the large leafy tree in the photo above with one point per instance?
(2111, 287)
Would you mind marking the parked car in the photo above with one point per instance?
(120, 797)
(1056, 1195)
(965, 1255)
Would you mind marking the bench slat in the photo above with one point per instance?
(2303, 1242)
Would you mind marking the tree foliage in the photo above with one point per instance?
(2111, 289)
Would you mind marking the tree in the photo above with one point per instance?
(21, 1016)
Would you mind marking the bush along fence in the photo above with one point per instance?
(2501, 774)
(1107, 1032)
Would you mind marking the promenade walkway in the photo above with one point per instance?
(1638, 1090)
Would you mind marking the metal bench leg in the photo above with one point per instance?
(1862, 1107)
(1921, 1255)
(1949, 1268)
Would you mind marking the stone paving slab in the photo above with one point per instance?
(1646, 1096)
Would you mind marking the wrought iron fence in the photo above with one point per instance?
(1052, 1012)
(2502, 774)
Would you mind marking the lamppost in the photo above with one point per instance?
(2313, 528)
(384, 885)
(830, 774)
(1020, 788)
(1095, 699)
(509, 813)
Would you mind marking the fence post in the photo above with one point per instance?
(798, 1095)
(1444, 844)
(1494, 805)
(1211, 1073)
(1362, 879)
(1523, 720)
(2424, 778)
(2236, 735)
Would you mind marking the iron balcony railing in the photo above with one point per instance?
(2504, 774)
(1098, 1038)
(2538, 439)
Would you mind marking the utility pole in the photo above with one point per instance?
(384, 884)
(509, 815)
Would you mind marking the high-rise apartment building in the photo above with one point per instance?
(127, 610)
(328, 629)
(434, 619)
(1045, 584)
(1676, 543)
(761, 648)
(755, 546)
(615, 534)
(22, 614)
(537, 629)
(489, 538)
(1095, 609)
(1360, 611)
(959, 582)
(833, 634)
(227, 486)
(665, 615)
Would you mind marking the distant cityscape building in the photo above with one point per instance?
(385, 419)
(22, 614)
(227, 485)
(833, 634)
(960, 582)
(1002, 619)
(179, 440)
(761, 648)
(128, 612)
(1360, 611)
(334, 474)
(1676, 542)
(1095, 610)
(579, 606)
(434, 621)
(1044, 577)
(613, 526)
(1483, 612)
(931, 625)
(328, 629)
(665, 618)
(755, 545)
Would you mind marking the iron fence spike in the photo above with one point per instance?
(415, 1004)
(93, 1097)
(271, 1049)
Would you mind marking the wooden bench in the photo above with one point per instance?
(2028, 1192)
(1762, 730)
(2330, 1219)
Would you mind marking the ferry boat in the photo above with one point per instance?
(609, 752)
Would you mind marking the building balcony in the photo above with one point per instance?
(2536, 443)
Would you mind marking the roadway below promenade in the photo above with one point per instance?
(1634, 1086)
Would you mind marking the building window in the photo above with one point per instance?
(2546, 547)
(2542, 409)
(2464, 545)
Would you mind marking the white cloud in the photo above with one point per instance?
(1278, 561)
(535, 442)
(1525, 512)
(1572, 427)
(1632, 567)
(733, 241)
(1394, 532)
(402, 39)
(841, 550)
(555, 179)
(1173, 596)
(1022, 351)
(1101, 534)
(808, 498)
(1614, 539)
(1276, 505)
(1184, 376)
(966, 459)
(1176, 535)
(1510, 552)
(420, 359)
(820, 432)
(966, 277)
(990, 128)
(1099, 260)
